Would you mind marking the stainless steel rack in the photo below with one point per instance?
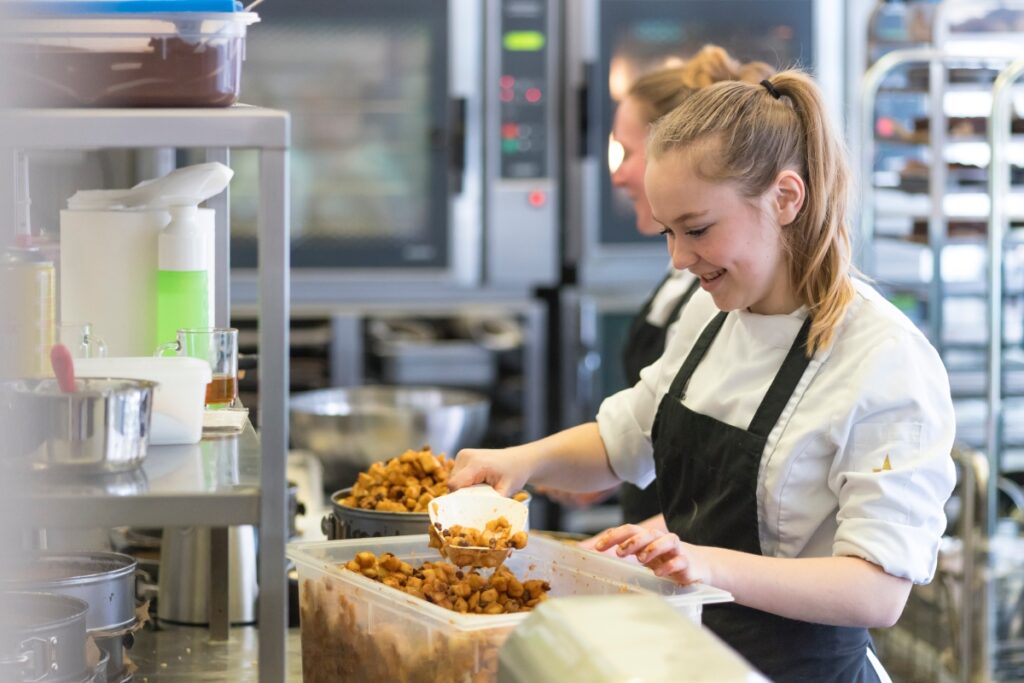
(949, 630)
(248, 486)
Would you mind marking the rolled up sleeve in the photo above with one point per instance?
(625, 421)
(894, 473)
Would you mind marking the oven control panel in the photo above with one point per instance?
(522, 207)
(523, 88)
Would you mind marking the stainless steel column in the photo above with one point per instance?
(274, 262)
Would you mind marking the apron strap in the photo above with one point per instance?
(782, 387)
(650, 300)
(683, 300)
(678, 388)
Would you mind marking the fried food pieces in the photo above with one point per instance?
(406, 483)
(496, 536)
(442, 583)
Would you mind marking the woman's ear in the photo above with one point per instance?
(789, 195)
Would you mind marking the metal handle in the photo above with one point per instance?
(583, 94)
(327, 526)
(29, 657)
(456, 144)
(1012, 490)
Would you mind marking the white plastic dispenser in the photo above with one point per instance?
(182, 286)
(110, 245)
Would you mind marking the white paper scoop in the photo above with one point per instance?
(473, 507)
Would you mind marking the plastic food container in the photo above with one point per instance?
(180, 395)
(617, 638)
(355, 629)
(127, 53)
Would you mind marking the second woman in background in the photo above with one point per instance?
(649, 98)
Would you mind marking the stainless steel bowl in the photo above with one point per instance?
(103, 426)
(105, 581)
(350, 429)
(349, 522)
(42, 638)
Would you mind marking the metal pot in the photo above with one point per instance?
(103, 426)
(350, 429)
(184, 583)
(295, 508)
(105, 581)
(350, 522)
(42, 639)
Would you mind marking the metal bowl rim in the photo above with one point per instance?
(128, 384)
(128, 563)
(306, 403)
(372, 514)
(376, 514)
(80, 606)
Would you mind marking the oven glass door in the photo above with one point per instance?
(366, 82)
(639, 35)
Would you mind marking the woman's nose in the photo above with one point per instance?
(619, 177)
(682, 256)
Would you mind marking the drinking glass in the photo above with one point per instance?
(218, 346)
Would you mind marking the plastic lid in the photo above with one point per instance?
(617, 639)
(164, 370)
(78, 7)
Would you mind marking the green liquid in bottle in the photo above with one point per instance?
(181, 302)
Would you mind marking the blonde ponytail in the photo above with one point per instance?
(754, 135)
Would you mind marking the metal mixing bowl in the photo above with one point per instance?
(350, 429)
(347, 522)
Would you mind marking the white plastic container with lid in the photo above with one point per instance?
(617, 639)
(127, 53)
(356, 629)
(109, 254)
(179, 400)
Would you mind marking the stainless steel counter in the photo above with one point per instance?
(185, 654)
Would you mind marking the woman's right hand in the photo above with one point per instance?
(503, 468)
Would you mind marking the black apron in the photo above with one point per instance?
(707, 482)
(644, 344)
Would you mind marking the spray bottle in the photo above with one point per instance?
(182, 289)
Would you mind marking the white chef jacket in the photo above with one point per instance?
(670, 293)
(859, 462)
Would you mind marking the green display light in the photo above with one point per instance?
(523, 41)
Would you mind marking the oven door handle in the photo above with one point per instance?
(456, 143)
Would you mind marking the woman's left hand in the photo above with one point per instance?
(661, 552)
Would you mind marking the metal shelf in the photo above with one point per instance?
(964, 290)
(180, 493)
(238, 126)
(956, 206)
(216, 479)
